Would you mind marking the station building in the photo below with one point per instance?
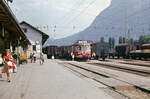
(35, 36)
(11, 35)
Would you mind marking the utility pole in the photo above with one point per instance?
(128, 34)
(126, 23)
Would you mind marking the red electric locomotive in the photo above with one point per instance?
(82, 49)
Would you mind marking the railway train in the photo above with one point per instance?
(51, 51)
(142, 51)
(133, 51)
(65, 52)
(123, 50)
(85, 49)
(99, 50)
(82, 49)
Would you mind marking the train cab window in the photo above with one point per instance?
(79, 48)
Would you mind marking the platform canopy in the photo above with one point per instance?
(11, 25)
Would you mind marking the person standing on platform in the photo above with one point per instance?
(41, 58)
(34, 57)
(31, 57)
(72, 55)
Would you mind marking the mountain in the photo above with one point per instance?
(128, 18)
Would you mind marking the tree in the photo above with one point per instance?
(110, 43)
(113, 42)
(120, 40)
(123, 40)
(131, 41)
(135, 42)
(141, 39)
(144, 39)
(102, 40)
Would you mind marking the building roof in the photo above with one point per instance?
(44, 35)
(11, 24)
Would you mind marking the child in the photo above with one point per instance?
(1, 65)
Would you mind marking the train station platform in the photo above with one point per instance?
(48, 81)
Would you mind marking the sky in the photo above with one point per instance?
(58, 18)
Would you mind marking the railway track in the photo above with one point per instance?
(132, 62)
(136, 64)
(126, 89)
(124, 69)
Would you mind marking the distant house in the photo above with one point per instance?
(35, 36)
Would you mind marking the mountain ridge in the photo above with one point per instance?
(128, 18)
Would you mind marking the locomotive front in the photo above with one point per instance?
(82, 49)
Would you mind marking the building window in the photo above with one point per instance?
(25, 30)
(34, 47)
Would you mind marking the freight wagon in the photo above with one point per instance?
(65, 52)
(100, 50)
(123, 50)
(51, 51)
(143, 51)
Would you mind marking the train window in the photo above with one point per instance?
(79, 48)
(83, 48)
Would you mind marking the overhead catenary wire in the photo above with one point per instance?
(129, 17)
(66, 16)
(73, 19)
(81, 12)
